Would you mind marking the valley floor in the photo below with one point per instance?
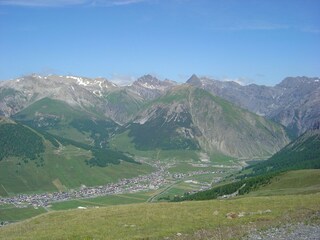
(167, 180)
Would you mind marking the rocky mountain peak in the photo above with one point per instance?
(147, 79)
(99, 83)
(151, 82)
(194, 80)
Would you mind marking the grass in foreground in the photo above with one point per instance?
(154, 221)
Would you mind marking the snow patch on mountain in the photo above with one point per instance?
(147, 85)
(97, 93)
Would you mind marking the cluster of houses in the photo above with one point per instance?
(189, 174)
(140, 183)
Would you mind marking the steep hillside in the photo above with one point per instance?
(123, 104)
(302, 153)
(191, 118)
(19, 141)
(293, 103)
(291, 183)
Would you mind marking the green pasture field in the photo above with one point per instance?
(103, 201)
(159, 220)
(293, 182)
(13, 214)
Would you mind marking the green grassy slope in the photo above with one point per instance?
(292, 182)
(154, 221)
(61, 119)
(234, 130)
(31, 163)
(62, 169)
(125, 102)
(287, 183)
(32, 159)
(17, 140)
(13, 214)
(52, 107)
(104, 201)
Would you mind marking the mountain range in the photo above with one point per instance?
(293, 102)
(202, 114)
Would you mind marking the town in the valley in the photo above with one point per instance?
(160, 178)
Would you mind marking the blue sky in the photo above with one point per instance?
(252, 41)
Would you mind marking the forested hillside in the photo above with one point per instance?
(303, 153)
(19, 141)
